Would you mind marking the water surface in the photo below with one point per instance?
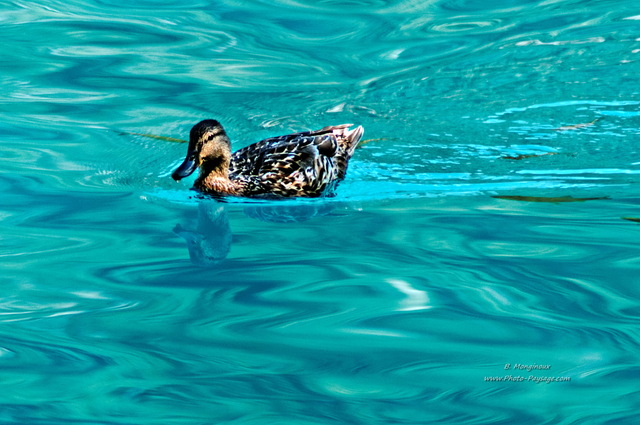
(483, 226)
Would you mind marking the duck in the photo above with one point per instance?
(307, 164)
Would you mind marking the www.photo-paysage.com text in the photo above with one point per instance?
(530, 378)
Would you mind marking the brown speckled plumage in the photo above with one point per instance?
(306, 164)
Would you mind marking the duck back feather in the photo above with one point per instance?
(306, 164)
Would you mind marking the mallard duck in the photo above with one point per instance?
(307, 164)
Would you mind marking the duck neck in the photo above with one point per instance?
(214, 176)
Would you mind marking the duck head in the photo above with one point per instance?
(209, 148)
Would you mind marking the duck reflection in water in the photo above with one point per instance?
(210, 241)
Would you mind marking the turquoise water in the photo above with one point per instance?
(449, 252)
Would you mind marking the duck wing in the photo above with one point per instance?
(298, 164)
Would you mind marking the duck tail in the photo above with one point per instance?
(353, 137)
(348, 139)
(347, 142)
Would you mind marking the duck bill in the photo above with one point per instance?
(185, 169)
